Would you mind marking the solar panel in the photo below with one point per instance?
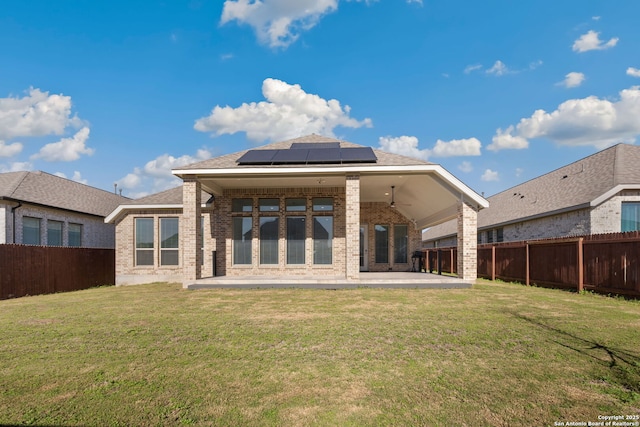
(314, 145)
(329, 155)
(358, 155)
(257, 157)
(290, 156)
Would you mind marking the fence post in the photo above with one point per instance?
(580, 266)
(527, 281)
(451, 267)
(439, 261)
(493, 263)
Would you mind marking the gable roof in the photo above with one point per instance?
(229, 161)
(45, 189)
(584, 183)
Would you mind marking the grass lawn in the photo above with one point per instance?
(497, 355)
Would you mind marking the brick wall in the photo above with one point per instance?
(607, 217)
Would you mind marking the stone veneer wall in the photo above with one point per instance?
(467, 267)
(607, 217)
(373, 213)
(95, 233)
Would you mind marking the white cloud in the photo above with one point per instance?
(10, 150)
(67, 149)
(277, 23)
(633, 72)
(156, 174)
(519, 172)
(588, 121)
(288, 112)
(465, 167)
(77, 177)
(535, 64)
(457, 147)
(490, 175)
(499, 69)
(470, 68)
(404, 145)
(16, 167)
(595, 18)
(572, 79)
(591, 41)
(505, 140)
(36, 114)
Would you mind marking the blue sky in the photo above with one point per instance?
(498, 92)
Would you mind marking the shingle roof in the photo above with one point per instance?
(570, 187)
(229, 161)
(49, 190)
(173, 196)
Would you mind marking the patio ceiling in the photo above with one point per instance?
(427, 197)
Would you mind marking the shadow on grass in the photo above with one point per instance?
(624, 367)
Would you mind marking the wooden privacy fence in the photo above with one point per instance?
(604, 263)
(35, 270)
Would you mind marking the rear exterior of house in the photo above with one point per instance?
(595, 195)
(37, 208)
(312, 206)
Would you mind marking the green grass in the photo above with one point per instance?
(497, 355)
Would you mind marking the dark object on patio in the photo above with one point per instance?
(419, 257)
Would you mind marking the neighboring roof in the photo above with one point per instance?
(230, 160)
(49, 190)
(584, 183)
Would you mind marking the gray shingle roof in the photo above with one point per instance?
(229, 161)
(49, 190)
(570, 187)
(173, 196)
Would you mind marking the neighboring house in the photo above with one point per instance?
(37, 208)
(311, 206)
(597, 194)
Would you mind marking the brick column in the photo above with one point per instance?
(467, 242)
(352, 228)
(190, 230)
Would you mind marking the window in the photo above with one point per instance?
(322, 239)
(490, 236)
(500, 235)
(400, 242)
(296, 234)
(30, 230)
(242, 236)
(296, 205)
(322, 204)
(242, 205)
(74, 235)
(479, 238)
(54, 233)
(269, 205)
(144, 241)
(269, 239)
(382, 243)
(169, 241)
(630, 216)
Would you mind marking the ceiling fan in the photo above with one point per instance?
(393, 203)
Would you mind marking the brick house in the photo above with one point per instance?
(597, 194)
(310, 206)
(38, 208)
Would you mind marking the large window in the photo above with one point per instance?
(242, 236)
(322, 204)
(296, 234)
(242, 205)
(54, 233)
(400, 242)
(269, 239)
(630, 216)
(169, 241)
(144, 241)
(30, 230)
(382, 243)
(322, 239)
(296, 205)
(500, 234)
(74, 235)
(269, 205)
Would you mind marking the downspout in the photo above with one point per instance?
(13, 217)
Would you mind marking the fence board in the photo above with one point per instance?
(35, 270)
